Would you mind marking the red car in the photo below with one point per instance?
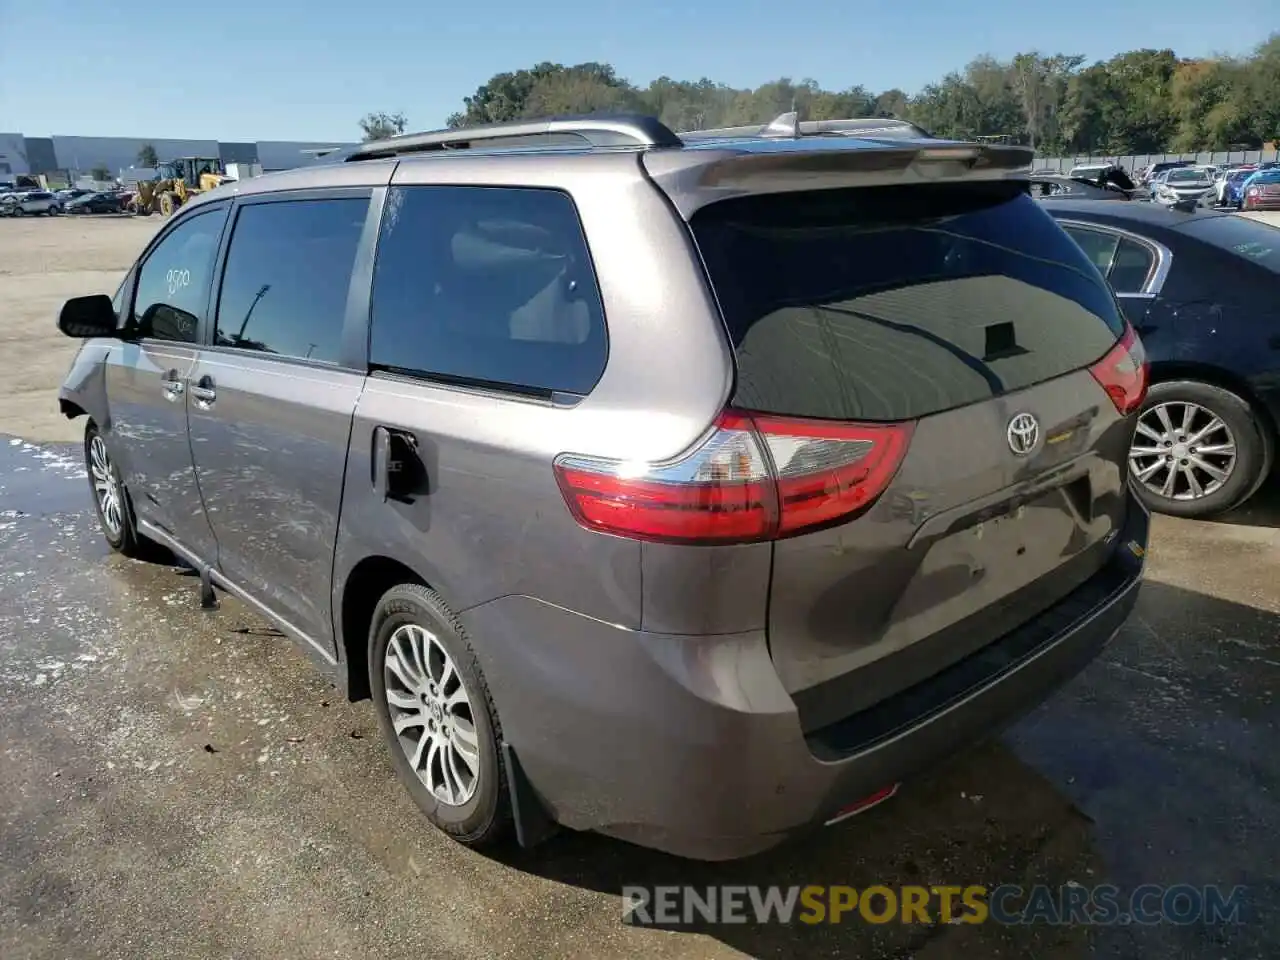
(1262, 191)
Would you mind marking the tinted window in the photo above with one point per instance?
(284, 289)
(487, 285)
(1132, 265)
(894, 303)
(1259, 242)
(1098, 246)
(173, 285)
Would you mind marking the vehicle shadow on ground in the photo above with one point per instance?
(1260, 510)
(985, 818)
(1131, 728)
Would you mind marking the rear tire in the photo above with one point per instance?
(1231, 462)
(446, 717)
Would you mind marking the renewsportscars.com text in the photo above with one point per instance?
(1104, 904)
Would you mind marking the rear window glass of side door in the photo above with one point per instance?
(487, 286)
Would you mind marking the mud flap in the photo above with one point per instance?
(533, 823)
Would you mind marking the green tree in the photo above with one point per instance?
(147, 156)
(1140, 101)
(379, 126)
(101, 173)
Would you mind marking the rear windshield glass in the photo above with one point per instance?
(1259, 242)
(895, 303)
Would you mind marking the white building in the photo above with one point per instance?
(80, 155)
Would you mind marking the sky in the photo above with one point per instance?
(238, 70)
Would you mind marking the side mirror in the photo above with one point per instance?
(85, 317)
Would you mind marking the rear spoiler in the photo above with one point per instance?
(708, 172)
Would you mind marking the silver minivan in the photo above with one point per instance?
(693, 492)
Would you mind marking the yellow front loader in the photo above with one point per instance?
(179, 181)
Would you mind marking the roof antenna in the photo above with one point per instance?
(784, 126)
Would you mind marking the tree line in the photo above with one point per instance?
(1142, 101)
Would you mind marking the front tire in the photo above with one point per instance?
(111, 499)
(436, 714)
(1198, 449)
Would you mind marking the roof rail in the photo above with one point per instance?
(608, 130)
(789, 126)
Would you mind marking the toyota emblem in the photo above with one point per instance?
(1023, 434)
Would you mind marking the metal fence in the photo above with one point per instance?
(1138, 161)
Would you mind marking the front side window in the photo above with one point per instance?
(288, 273)
(173, 285)
(487, 286)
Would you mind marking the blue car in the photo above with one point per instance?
(1233, 193)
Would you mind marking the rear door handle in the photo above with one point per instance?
(203, 392)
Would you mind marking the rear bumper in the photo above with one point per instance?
(690, 744)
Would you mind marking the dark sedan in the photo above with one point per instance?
(1203, 291)
(1077, 188)
(96, 203)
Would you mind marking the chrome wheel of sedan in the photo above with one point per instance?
(431, 714)
(1182, 451)
(106, 487)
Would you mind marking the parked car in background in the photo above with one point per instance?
(1233, 187)
(35, 202)
(1164, 166)
(1057, 185)
(73, 193)
(1226, 177)
(1203, 291)
(1261, 190)
(1182, 187)
(1091, 171)
(687, 514)
(97, 203)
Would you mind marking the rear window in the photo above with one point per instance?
(1259, 242)
(896, 303)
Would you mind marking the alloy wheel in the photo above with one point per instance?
(1182, 451)
(431, 714)
(106, 487)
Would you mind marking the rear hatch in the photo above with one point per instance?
(961, 320)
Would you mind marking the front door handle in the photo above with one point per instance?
(171, 386)
(203, 392)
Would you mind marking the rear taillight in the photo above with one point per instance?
(755, 477)
(1123, 372)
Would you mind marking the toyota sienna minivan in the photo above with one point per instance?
(692, 492)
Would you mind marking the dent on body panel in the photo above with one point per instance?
(269, 458)
(141, 420)
(85, 382)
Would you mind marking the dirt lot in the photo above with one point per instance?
(43, 261)
(178, 783)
